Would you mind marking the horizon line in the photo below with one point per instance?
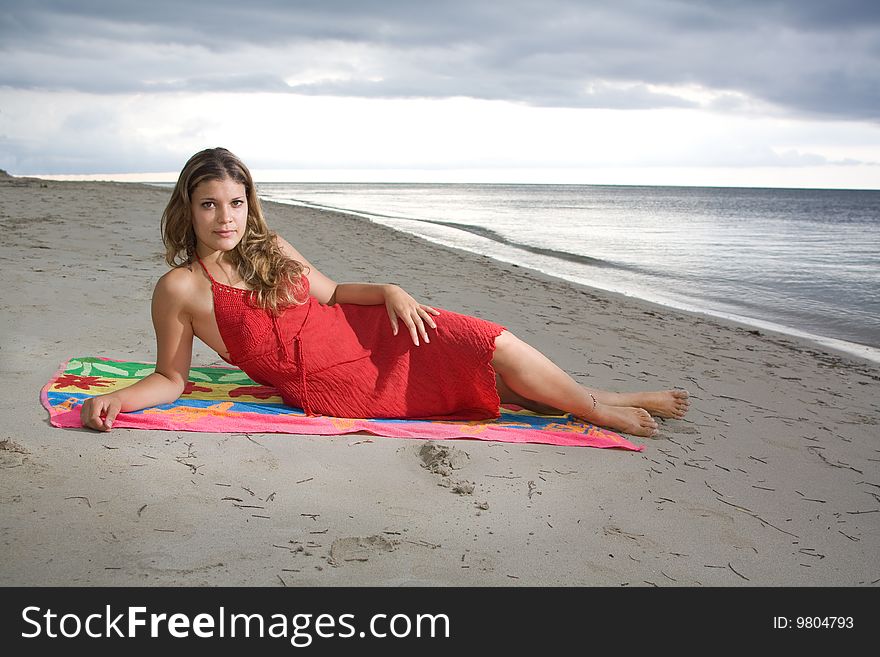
(162, 178)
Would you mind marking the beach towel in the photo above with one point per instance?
(225, 400)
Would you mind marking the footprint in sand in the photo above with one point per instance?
(442, 460)
(14, 455)
(359, 548)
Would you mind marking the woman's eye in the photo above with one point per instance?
(237, 203)
(207, 205)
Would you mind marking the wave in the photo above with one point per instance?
(495, 236)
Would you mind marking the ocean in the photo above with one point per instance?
(803, 262)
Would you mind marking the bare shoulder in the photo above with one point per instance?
(287, 248)
(177, 287)
(290, 251)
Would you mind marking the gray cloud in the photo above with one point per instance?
(70, 156)
(811, 57)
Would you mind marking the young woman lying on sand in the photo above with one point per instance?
(254, 299)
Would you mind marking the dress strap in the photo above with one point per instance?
(207, 273)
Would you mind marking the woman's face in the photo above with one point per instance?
(219, 215)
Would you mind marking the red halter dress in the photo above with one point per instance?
(344, 361)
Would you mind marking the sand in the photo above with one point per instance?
(771, 480)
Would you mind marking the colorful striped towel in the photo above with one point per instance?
(225, 400)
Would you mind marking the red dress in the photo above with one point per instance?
(344, 361)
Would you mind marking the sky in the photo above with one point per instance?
(775, 93)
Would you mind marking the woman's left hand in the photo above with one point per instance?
(401, 306)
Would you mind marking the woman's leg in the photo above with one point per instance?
(508, 396)
(532, 377)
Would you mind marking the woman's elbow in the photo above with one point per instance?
(173, 384)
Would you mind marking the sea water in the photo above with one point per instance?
(804, 262)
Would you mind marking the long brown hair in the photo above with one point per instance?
(274, 278)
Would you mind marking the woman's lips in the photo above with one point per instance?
(224, 233)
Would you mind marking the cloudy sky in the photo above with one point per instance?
(725, 92)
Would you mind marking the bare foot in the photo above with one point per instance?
(664, 403)
(667, 403)
(634, 421)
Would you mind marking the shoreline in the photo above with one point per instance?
(837, 345)
(769, 481)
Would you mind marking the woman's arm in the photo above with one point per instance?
(398, 303)
(174, 338)
(321, 287)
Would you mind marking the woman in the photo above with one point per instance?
(253, 298)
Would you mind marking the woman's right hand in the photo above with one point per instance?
(100, 412)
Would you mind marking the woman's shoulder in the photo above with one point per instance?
(288, 249)
(285, 246)
(179, 285)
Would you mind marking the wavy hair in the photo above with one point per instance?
(274, 278)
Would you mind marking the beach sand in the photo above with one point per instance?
(771, 480)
